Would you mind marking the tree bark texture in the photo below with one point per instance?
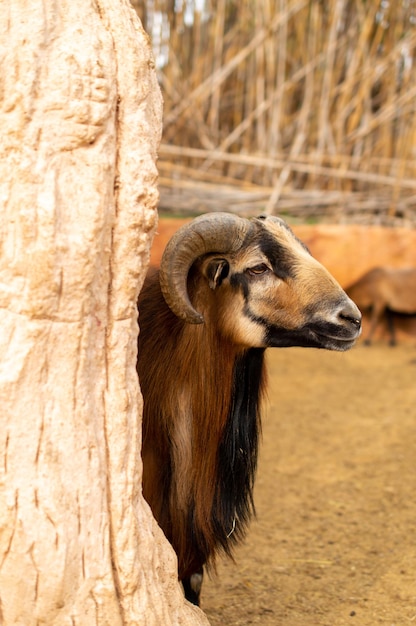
(80, 123)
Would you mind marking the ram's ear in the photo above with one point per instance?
(216, 270)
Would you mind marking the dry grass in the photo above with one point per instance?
(299, 106)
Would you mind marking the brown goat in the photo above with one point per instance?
(385, 291)
(227, 289)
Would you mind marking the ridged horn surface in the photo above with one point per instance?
(209, 233)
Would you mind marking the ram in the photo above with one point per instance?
(385, 292)
(227, 289)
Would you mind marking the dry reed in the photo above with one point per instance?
(302, 107)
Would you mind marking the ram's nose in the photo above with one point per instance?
(349, 314)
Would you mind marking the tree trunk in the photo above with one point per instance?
(80, 123)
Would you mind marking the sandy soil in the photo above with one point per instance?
(334, 541)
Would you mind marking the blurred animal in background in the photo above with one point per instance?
(385, 292)
(227, 289)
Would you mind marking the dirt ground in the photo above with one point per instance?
(334, 541)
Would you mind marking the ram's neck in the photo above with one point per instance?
(225, 455)
(200, 433)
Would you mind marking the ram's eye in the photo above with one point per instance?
(262, 268)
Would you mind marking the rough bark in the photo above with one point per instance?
(80, 123)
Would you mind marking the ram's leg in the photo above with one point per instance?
(390, 324)
(375, 318)
(192, 586)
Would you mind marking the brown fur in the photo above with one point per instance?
(195, 470)
(383, 291)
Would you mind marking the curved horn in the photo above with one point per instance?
(213, 232)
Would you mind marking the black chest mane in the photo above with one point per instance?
(238, 451)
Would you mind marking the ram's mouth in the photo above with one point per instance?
(336, 336)
(328, 336)
(332, 342)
